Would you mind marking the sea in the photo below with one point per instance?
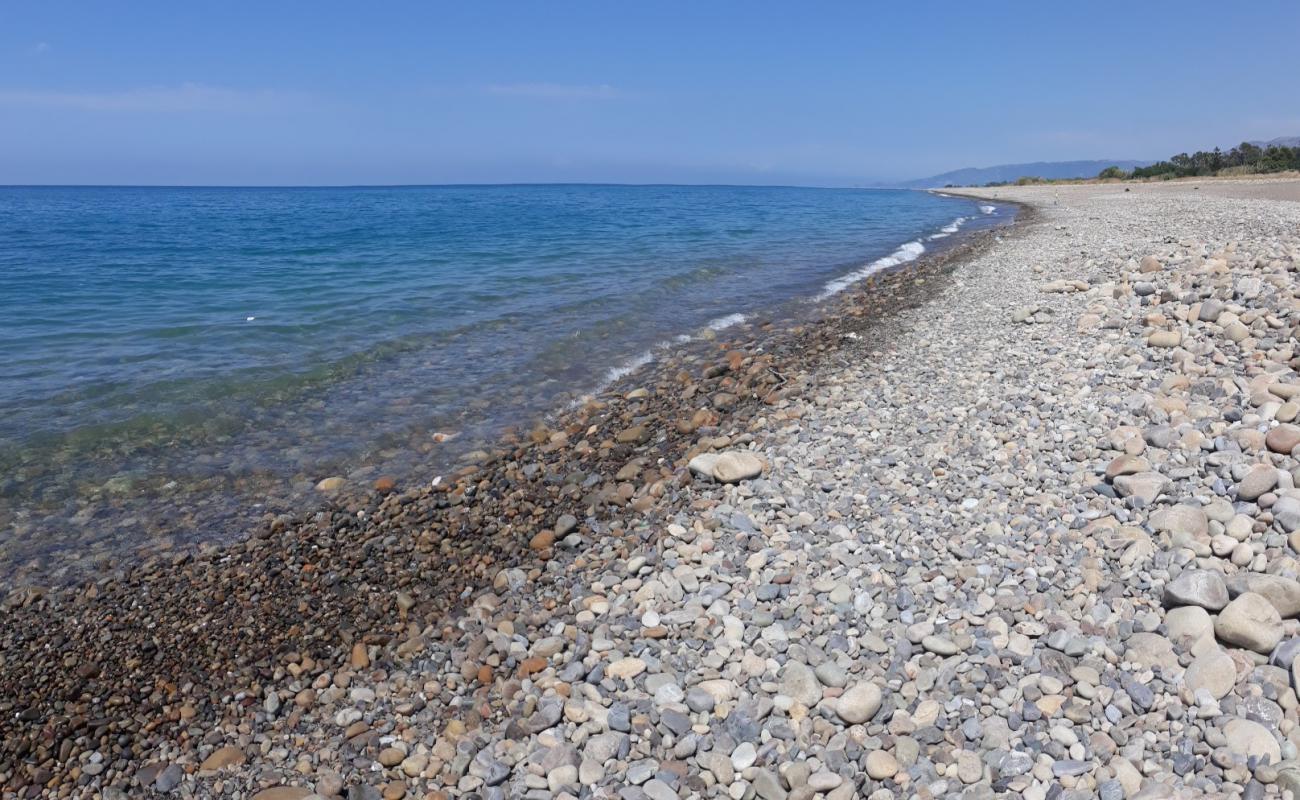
(177, 361)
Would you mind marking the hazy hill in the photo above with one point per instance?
(1281, 141)
(978, 176)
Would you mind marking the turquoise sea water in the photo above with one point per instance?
(219, 339)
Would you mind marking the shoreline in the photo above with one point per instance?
(742, 373)
(207, 506)
(1019, 523)
(198, 515)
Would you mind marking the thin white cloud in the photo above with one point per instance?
(39, 49)
(187, 97)
(555, 91)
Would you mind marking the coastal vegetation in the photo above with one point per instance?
(1244, 159)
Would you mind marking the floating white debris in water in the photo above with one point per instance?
(249, 319)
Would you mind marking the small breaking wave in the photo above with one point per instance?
(633, 364)
(908, 252)
(988, 209)
(721, 323)
(948, 230)
(639, 360)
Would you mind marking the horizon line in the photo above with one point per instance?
(873, 185)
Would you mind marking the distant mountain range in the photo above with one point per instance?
(978, 176)
(1281, 141)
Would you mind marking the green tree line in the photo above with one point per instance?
(1245, 158)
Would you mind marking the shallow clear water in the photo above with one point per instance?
(157, 337)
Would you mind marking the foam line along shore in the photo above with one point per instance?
(443, 317)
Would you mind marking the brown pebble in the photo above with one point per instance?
(529, 665)
(282, 793)
(227, 756)
(633, 435)
(360, 658)
(355, 729)
(1283, 439)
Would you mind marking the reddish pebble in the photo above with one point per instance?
(530, 665)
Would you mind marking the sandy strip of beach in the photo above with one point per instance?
(1018, 522)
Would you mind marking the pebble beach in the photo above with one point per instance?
(1021, 519)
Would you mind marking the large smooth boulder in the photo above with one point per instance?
(730, 467)
(1188, 625)
(1250, 739)
(1197, 587)
(800, 682)
(1259, 480)
(1144, 485)
(1283, 439)
(1151, 650)
(1283, 593)
(1250, 621)
(1214, 671)
(859, 704)
(1181, 519)
(737, 466)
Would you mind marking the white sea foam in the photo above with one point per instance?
(627, 367)
(908, 252)
(641, 359)
(948, 230)
(722, 323)
(988, 209)
(638, 361)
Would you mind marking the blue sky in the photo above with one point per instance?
(823, 93)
